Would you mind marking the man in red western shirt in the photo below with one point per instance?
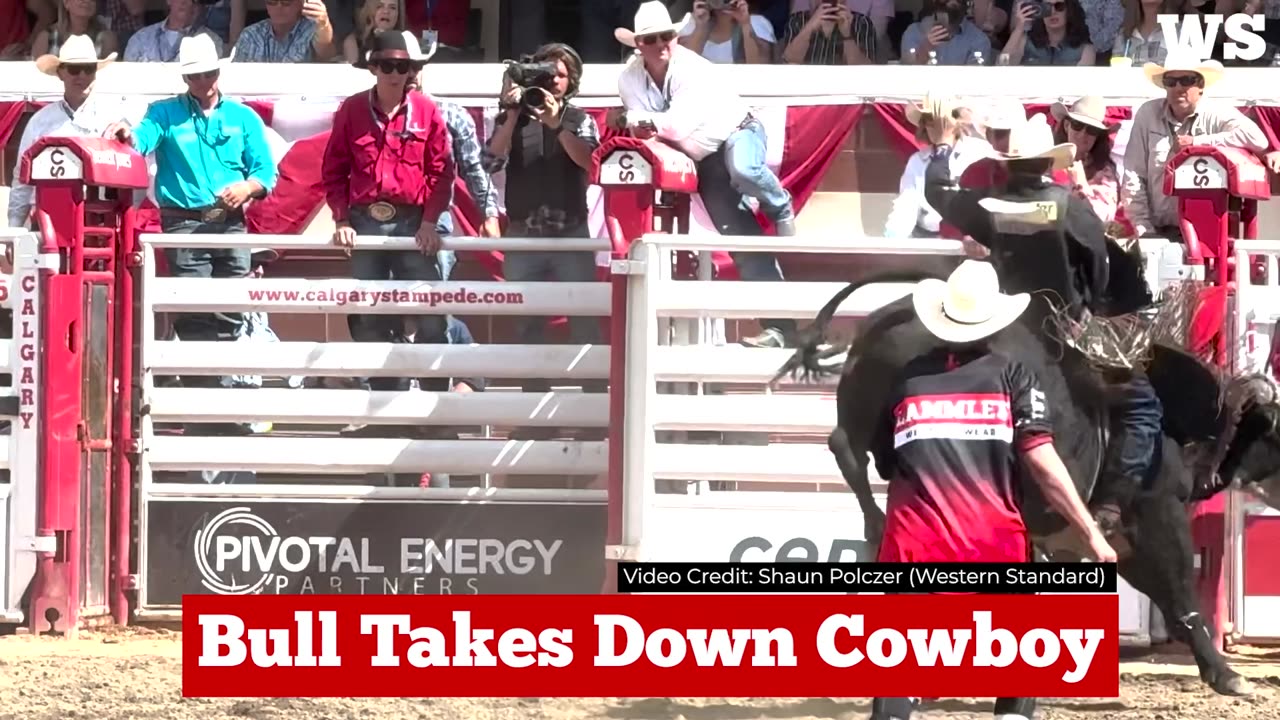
(388, 170)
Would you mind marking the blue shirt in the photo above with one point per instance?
(958, 50)
(198, 156)
(258, 44)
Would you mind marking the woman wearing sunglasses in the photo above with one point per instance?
(1050, 32)
(1093, 174)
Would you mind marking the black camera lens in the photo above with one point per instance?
(535, 97)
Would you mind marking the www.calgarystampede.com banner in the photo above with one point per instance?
(646, 646)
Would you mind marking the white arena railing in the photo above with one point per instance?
(1254, 599)
(19, 353)
(322, 465)
(784, 500)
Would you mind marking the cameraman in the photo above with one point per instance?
(544, 144)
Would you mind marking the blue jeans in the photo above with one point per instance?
(746, 156)
(395, 265)
(732, 216)
(1138, 413)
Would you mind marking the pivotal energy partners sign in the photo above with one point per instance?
(402, 548)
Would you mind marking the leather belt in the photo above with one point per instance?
(212, 214)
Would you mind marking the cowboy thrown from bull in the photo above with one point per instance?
(1105, 283)
(959, 419)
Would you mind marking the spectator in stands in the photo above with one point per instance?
(159, 42)
(81, 112)
(227, 18)
(373, 16)
(75, 17)
(944, 36)
(294, 31)
(125, 17)
(388, 170)
(1104, 18)
(16, 25)
(671, 92)
(912, 216)
(1163, 126)
(212, 158)
(726, 31)
(831, 34)
(546, 153)
(1093, 174)
(1141, 39)
(1060, 37)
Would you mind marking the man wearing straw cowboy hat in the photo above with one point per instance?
(1165, 125)
(953, 489)
(80, 112)
(1027, 205)
(212, 159)
(674, 93)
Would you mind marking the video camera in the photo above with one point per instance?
(536, 80)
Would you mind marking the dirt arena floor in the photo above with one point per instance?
(136, 675)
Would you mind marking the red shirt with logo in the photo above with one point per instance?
(404, 160)
(950, 451)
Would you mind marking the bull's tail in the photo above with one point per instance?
(811, 342)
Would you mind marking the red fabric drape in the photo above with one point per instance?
(10, 114)
(1268, 118)
(900, 133)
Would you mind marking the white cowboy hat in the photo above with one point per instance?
(77, 50)
(968, 306)
(1004, 114)
(1033, 140)
(1090, 110)
(197, 54)
(1182, 60)
(652, 18)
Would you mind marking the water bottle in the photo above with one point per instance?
(1003, 60)
(977, 58)
(933, 57)
(1275, 59)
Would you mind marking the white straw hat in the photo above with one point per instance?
(197, 54)
(1033, 140)
(969, 305)
(1180, 59)
(651, 18)
(1004, 114)
(1090, 110)
(76, 50)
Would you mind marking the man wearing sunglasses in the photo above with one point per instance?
(79, 113)
(675, 94)
(1163, 126)
(212, 159)
(388, 170)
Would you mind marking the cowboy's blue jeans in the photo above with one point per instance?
(746, 156)
(1137, 412)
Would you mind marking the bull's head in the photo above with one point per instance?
(1252, 459)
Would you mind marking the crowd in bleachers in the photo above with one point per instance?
(816, 32)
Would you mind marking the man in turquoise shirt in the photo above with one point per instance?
(212, 158)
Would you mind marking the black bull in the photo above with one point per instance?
(1236, 418)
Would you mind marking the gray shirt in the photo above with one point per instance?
(958, 50)
(1151, 140)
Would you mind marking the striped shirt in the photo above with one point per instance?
(827, 49)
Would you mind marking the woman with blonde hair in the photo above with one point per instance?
(1093, 174)
(75, 17)
(372, 16)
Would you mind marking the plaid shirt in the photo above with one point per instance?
(258, 44)
(466, 155)
(123, 24)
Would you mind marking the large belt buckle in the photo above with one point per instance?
(382, 211)
(214, 215)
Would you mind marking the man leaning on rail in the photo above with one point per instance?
(388, 170)
(212, 159)
(675, 94)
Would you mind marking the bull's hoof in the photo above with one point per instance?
(1231, 683)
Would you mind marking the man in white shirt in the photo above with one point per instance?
(80, 112)
(673, 93)
(159, 42)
